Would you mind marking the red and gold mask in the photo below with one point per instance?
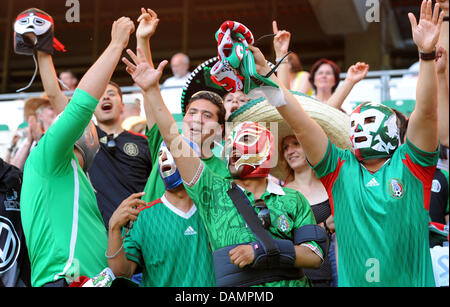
(249, 146)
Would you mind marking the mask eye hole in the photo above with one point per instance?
(369, 120)
(23, 21)
(247, 139)
(39, 22)
(352, 123)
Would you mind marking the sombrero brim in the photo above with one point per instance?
(32, 104)
(335, 123)
(200, 80)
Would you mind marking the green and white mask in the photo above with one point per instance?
(374, 132)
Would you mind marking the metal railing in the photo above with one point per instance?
(384, 75)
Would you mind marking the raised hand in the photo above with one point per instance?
(357, 72)
(148, 22)
(444, 5)
(121, 30)
(426, 33)
(441, 60)
(145, 76)
(280, 41)
(127, 211)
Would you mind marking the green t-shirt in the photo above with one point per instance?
(154, 188)
(289, 210)
(171, 246)
(381, 218)
(63, 226)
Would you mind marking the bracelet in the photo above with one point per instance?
(282, 60)
(427, 56)
(112, 256)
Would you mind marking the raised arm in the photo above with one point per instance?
(97, 77)
(148, 22)
(443, 101)
(281, 46)
(444, 37)
(63, 134)
(355, 74)
(422, 127)
(308, 132)
(50, 82)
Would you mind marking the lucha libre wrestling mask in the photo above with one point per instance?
(167, 167)
(250, 145)
(36, 22)
(374, 132)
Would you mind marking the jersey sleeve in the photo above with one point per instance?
(202, 186)
(419, 157)
(131, 244)
(58, 142)
(327, 170)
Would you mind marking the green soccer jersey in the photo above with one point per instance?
(154, 188)
(289, 210)
(381, 218)
(171, 246)
(63, 226)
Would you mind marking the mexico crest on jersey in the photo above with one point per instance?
(396, 188)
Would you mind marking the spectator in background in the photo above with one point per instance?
(39, 114)
(324, 78)
(179, 63)
(69, 79)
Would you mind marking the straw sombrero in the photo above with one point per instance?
(32, 104)
(335, 123)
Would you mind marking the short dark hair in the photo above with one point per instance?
(294, 62)
(315, 68)
(117, 87)
(214, 99)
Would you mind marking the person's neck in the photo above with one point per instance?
(179, 198)
(323, 95)
(304, 176)
(257, 186)
(374, 165)
(113, 128)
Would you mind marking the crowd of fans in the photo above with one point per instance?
(96, 193)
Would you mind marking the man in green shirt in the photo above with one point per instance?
(380, 194)
(63, 227)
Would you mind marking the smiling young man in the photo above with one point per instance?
(203, 121)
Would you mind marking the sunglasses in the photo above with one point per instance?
(263, 214)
